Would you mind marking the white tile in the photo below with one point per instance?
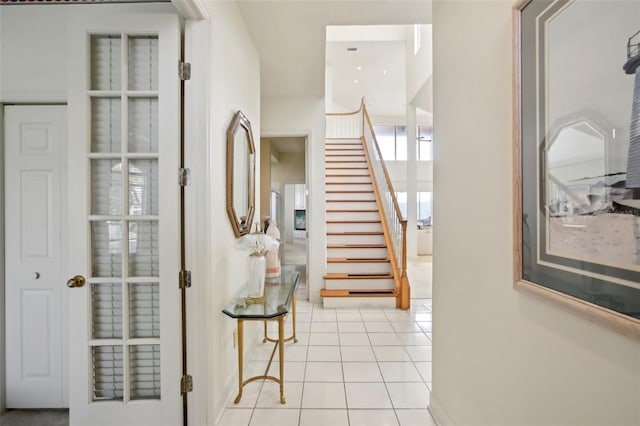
(293, 353)
(415, 418)
(323, 372)
(414, 339)
(354, 339)
(357, 353)
(378, 327)
(302, 327)
(398, 315)
(324, 339)
(368, 316)
(236, 417)
(425, 370)
(254, 368)
(303, 306)
(303, 339)
(262, 352)
(328, 315)
(419, 353)
(372, 417)
(323, 395)
(324, 327)
(326, 417)
(323, 353)
(293, 370)
(351, 327)
(400, 372)
(302, 316)
(406, 327)
(426, 326)
(250, 394)
(348, 316)
(361, 372)
(384, 339)
(391, 353)
(367, 395)
(409, 395)
(270, 395)
(275, 417)
(422, 316)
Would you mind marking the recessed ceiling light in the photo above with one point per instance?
(356, 81)
(359, 68)
(352, 49)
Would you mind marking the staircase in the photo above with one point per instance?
(359, 270)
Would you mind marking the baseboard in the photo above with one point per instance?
(438, 413)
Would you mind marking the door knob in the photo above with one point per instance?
(77, 281)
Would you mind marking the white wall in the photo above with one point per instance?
(228, 70)
(420, 64)
(502, 357)
(304, 116)
(2, 284)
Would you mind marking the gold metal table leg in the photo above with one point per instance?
(293, 316)
(240, 351)
(281, 356)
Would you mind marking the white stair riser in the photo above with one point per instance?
(351, 196)
(353, 215)
(354, 227)
(341, 170)
(359, 268)
(350, 179)
(359, 302)
(360, 284)
(346, 151)
(349, 205)
(342, 142)
(355, 239)
(359, 253)
(350, 187)
(333, 157)
(347, 164)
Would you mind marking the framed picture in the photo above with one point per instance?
(577, 156)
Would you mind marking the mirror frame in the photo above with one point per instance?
(240, 123)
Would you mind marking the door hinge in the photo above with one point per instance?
(184, 177)
(186, 384)
(184, 70)
(184, 279)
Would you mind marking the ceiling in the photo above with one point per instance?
(289, 145)
(290, 36)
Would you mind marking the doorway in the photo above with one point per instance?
(286, 179)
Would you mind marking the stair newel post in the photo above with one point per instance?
(405, 290)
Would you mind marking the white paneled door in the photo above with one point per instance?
(35, 138)
(124, 245)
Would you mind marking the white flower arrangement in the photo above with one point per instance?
(257, 243)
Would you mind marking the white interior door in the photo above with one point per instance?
(125, 343)
(35, 137)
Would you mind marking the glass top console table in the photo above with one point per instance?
(278, 301)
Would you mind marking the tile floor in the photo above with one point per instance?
(350, 367)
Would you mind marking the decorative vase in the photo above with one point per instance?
(256, 275)
(273, 256)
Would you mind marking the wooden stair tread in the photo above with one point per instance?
(358, 293)
(347, 175)
(348, 183)
(350, 201)
(356, 246)
(352, 211)
(354, 233)
(344, 149)
(357, 260)
(353, 221)
(345, 276)
(347, 168)
(349, 192)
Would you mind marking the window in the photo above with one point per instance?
(392, 140)
(425, 209)
(417, 38)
